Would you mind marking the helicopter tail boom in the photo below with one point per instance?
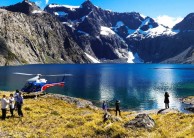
(46, 86)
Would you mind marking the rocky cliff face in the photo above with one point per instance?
(33, 36)
(187, 24)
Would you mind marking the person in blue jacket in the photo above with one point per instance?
(104, 106)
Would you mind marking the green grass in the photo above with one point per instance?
(49, 117)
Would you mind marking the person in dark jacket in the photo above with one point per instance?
(117, 105)
(166, 100)
(19, 101)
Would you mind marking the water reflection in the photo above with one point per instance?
(106, 89)
(164, 82)
(137, 86)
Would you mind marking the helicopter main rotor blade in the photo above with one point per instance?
(67, 75)
(33, 79)
(27, 74)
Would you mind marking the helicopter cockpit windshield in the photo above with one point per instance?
(31, 87)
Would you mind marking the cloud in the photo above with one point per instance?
(38, 3)
(168, 21)
(47, 1)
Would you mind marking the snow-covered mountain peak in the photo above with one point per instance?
(160, 30)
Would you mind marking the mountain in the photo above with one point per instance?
(187, 24)
(89, 34)
(25, 7)
(127, 37)
(98, 32)
(108, 35)
(166, 45)
(29, 35)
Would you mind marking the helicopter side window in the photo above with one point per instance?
(27, 86)
(35, 88)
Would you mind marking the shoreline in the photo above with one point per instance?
(151, 111)
(81, 103)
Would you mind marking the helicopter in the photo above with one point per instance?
(39, 84)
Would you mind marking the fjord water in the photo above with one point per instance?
(137, 86)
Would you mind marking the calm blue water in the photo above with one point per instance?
(137, 86)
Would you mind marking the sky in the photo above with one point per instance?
(167, 12)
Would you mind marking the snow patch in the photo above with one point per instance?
(94, 60)
(68, 24)
(37, 11)
(130, 57)
(134, 58)
(161, 30)
(72, 8)
(97, 7)
(152, 32)
(29, 3)
(56, 13)
(145, 22)
(108, 10)
(143, 16)
(106, 31)
(61, 13)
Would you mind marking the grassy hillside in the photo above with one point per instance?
(49, 117)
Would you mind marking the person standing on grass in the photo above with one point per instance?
(19, 101)
(166, 100)
(4, 104)
(11, 104)
(15, 98)
(117, 105)
(104, 106)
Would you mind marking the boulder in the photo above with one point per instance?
(169, 110)
(141, 121)
(158, 111)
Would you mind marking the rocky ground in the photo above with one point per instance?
(62, 116)
(190, 101)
